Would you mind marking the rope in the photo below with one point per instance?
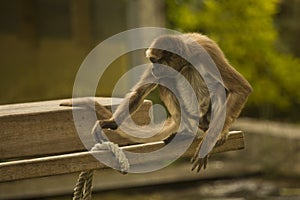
(84, 185)
(118, 153)
(83, 188)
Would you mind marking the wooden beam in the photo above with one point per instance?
(45, 128)
(76, 162)
(45, 132)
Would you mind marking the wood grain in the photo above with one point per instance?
(45, 128)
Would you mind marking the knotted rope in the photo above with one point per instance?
(83, 188)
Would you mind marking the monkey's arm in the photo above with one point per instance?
(129, 105)
(238, 90)
(237, 95)
(132, 101)
(237, 87)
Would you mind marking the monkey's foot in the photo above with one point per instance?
(221, 140)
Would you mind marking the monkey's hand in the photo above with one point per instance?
(108, 123)
(199, 163)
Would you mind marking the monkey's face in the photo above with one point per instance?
(161, 60)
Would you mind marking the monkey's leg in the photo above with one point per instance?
(101, 111)
(222, 138)
(168, 131)
(126, 130)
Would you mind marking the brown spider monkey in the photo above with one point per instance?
(236, 86)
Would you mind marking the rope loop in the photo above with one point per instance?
(83, 188)
(118, 153)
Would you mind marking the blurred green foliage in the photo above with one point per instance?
(246, 33)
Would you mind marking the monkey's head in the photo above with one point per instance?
(167, 50)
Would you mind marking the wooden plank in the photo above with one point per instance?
(75, 162)
(45, 128)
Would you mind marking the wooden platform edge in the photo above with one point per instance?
(31, 130)
(76, 162)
